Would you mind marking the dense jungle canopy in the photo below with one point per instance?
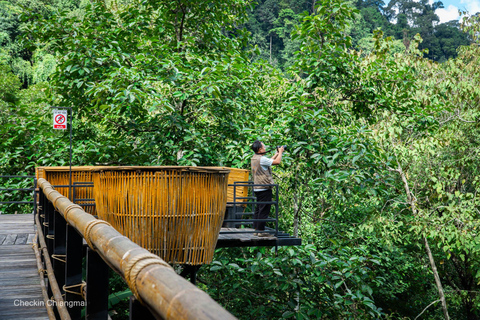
(378, 103)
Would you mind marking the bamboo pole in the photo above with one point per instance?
(151, 279)
(51, 314)
(57, 294)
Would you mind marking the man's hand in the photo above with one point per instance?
(277, 158)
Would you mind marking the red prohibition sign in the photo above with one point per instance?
(59, 119)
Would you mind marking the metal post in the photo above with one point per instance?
(74, 198)
(48, 211)
(73, 273)
(276, 219)
(193, 275)
(41, 214)
(276, 211)
(70, 171)
(234, 209)
(254, 205)
(41, 205)
(234, 194)
(48, 225)
(97, 287)
(191, 271)
(138, 311)
(34, 199)
(59, 249)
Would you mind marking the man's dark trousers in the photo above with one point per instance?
(262, 210)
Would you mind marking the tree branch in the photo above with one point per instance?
(426, 309)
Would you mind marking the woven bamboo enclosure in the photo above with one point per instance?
(59, 176)
(237, 175)
(122, 219)
(174, 212)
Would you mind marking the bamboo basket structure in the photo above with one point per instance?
(237, 175)
(60, 176)
(174, 212)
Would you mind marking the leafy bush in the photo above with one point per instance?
(302, 282)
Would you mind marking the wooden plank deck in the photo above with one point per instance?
(20, 291)
(234, 237)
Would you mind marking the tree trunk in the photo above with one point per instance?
(437, 280)
(270, 49)
(411, 202)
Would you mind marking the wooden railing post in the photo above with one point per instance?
(97, 287)
(73, 273)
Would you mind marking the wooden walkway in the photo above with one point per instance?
(20, 291)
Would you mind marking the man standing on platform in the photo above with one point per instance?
(262, 174)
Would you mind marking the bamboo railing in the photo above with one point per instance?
(151, 279)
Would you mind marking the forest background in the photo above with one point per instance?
(378, 103)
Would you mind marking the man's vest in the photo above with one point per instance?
(261, 176)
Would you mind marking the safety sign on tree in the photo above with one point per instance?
(60, 119)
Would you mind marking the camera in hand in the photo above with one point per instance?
(284, 148)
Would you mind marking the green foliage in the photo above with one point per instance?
(302, 282)
(16, 195)
(161, 82)
(118, 299)
(146, 78)
(43, 67)
(271, 26)
(17, 54)
(9, 87)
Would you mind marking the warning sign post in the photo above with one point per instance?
(60, 116)
(60, 119)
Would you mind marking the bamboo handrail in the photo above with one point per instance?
(57, 294)
(50, 312)
(167, 294)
